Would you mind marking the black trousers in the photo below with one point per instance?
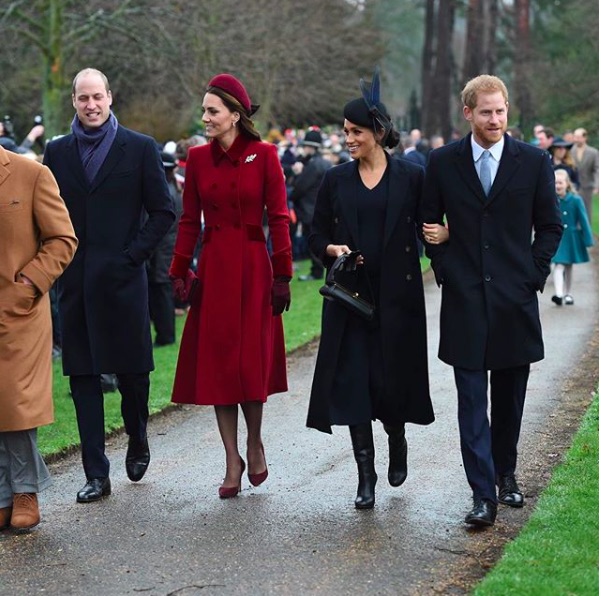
(89, 409)
(162, 312)
(490, 449)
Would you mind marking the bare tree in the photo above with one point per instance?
(438, 67)
(481, 42)
(428, 62)
(521, 79)
(57, 33)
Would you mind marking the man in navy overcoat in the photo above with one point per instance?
(492, 266)
(110, 178)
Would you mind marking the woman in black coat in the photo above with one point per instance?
(376, 369)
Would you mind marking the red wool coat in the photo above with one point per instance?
(232, 348)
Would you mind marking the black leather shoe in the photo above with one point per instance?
(558, 300)
(94, 490)
(137, 459)
(509, 491)
(482, 514)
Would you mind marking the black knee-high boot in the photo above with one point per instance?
(363, 448)
(397, 447)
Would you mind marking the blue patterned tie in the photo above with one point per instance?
(485, 176)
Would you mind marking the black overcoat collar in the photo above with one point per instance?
(398, 184)
(510, 161)
(113, 157)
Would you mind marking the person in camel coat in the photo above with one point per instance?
(37, 242)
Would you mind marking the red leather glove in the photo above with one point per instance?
(280, 295)
(184, 289)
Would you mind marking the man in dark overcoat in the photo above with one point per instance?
(309, 174)
(161, 300)
(498, 198)
(110, 178)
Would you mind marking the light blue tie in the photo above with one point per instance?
(485, 175)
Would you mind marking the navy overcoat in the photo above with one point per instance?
(103, 295)
(497, 256)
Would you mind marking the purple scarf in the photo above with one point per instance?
(94, 144)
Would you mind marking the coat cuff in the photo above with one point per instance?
(282, 266)
(39, 279)
(179, 266)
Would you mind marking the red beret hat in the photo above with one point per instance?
(230, 84)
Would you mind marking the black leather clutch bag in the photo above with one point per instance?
(335, 289)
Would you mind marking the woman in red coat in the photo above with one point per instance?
(232, 351)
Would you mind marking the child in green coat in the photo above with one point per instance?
(577, 237)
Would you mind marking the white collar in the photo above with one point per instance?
(496, 150)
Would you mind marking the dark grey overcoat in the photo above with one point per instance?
(498, 253)
(402, 307)
(103, 295)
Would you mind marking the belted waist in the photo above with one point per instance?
(253, 232)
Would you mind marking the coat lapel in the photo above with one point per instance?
(507, 167)
(73, 162)
(4, 162)
(348, 199)
(396, 193)
(112, 159)
(464, 160)
(509, 163)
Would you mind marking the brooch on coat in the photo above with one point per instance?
(250, 158)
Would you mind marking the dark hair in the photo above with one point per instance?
(377, 119)
(247, 126)
(393, 138)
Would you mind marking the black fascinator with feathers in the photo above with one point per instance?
(369, 111)
(371, 96)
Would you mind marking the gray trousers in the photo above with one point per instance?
(22, 469)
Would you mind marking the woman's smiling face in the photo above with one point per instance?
(360, 140)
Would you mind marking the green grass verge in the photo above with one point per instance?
(557, 552)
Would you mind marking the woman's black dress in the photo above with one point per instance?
(359, 379)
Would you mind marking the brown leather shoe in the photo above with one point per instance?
(26, 513)
(5, 513)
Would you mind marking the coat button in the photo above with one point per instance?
(486, 245)
(409, 277)
(215, 207)
(407, 249)
(218, 227)
(409, 219)
(233, 185)
(237, 226)
(565, 226)
(214, 185)
(487, 278)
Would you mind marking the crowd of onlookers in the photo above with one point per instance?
(304, 155)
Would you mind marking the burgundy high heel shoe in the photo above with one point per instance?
(257, 479)
(227, 492)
